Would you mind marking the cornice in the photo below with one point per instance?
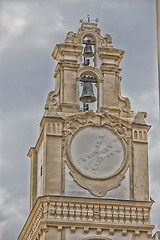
(53, 211)
(66, 49)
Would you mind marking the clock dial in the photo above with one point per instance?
(97, 152)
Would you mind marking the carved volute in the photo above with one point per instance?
(72, 66)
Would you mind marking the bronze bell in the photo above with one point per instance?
(88, 50)
(87, 93)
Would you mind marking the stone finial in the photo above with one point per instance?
(139, 118)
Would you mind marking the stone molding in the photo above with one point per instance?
(92, 31)
(75, 123)
(139, 118)
(140, 135)
(92, 71)
(101, 214)
(73, 43)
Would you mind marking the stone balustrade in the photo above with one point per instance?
(73, 212)
(103, 211)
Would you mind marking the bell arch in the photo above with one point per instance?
(90, 70)
(90, 35)
(95, 73)
(90, 39)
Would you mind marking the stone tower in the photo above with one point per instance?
(89, 167)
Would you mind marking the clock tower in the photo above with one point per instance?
(89, 167)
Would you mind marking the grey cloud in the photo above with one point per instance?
(27, 76)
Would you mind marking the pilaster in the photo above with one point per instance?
(68, 98)
(33, 177)
(52, 155)
(140, 162)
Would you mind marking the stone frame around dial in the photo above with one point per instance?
(73, 124)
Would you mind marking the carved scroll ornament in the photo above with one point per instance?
(73, 125)
(139, 118)
(51, 101)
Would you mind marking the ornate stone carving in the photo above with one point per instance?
(51, 101)
(71, 38)
(127, 104)
(139, 118)
(103, 215)
(35, 222)
(78, 211)
(108, 38)
(93, 119)
(127, 107)
(75, 123)
(106, 41)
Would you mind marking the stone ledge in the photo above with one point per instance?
(99, 214)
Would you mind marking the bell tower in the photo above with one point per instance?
(89, 167)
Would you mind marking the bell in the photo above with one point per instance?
(88, 50)
(87, 93)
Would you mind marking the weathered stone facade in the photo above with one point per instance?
(67, 199)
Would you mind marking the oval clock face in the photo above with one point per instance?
(96, 152)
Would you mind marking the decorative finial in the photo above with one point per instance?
(97, 20)
(89, 20)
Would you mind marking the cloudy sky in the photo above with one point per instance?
(29, 31)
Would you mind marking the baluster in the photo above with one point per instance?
(133, 215)
(65, 211)
(102, 213)
(121, 214)
(58, 211)
(45, 210)
(109, 214)
(52, 209)
(71, 211)
(78, 211)
(90, 212)
(146, 215)
(84, 212)
(139, 215)
(115, 214)
(127, 214)
(96, 213)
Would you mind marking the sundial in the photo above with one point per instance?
(97, 152)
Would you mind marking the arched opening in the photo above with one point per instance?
(135, 134)
(97, 82)
(88, 93)
(140, 135)
(89, 50)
